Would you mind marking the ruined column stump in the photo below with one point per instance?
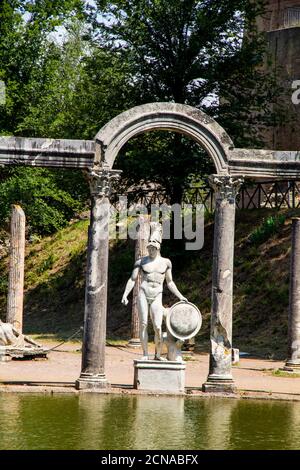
(220, 377)
(16, 268)
(293, 362)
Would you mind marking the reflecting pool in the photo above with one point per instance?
(91, 421)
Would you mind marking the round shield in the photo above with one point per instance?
(184, 320)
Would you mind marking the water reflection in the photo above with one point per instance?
(106, 422)
(159, 422)
(265, 425)
(10, 421)
(219, 423)
(138, 422)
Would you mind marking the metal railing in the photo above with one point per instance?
(258, 195)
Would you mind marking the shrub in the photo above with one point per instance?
(267, 229)
(49, 198)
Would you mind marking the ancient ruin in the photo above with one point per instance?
(15, 345)
(183, 320)
(97, 158)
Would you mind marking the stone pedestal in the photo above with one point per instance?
(156, 376)
(220, 378)
(219, 384)
(91, 381)
(10, 352)
(291, 366)
(134, 343)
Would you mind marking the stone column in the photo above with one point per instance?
(94, 336)
(140, 251)
(293, 362)
(16, 268)
(220, 379)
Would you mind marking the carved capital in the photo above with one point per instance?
(100, 181)
(226, 187)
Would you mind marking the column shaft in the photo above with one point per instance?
(94, 336)
(220, 378)
(293, 362)
(16, 268)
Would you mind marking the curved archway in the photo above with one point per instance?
(109, 140)
(164, 116)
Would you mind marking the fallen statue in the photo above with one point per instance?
(15, 344)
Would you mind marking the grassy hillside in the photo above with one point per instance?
(55, 267)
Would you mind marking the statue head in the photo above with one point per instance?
(155, 239)
(153, 250)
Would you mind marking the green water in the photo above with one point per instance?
(114, 422)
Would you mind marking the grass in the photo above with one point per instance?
(188, 358)
(282, 373)
(266, 229)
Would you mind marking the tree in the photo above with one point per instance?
(40, 192)
(25, 28)
(66, 87)
(193, 52)
(128, 53)
(30, 61)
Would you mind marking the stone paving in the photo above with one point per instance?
(253, 377)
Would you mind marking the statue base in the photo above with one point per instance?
(91, 382)
(159, 376)
(134, 343)
(219, 384)
(7, 353)
(292, 366)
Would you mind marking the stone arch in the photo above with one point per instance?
(164, 116)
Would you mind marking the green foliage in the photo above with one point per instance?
(25, 36)
(267, 229)
(70, 66)
(46, 264)
(3, 284)
(47, 203)
(192, 52)
(282, 373)
(40, 76)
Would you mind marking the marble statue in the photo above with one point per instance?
(10, 337)
(183, 322)
(154, 270)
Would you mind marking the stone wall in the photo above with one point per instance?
(274, 17)
(284, 47)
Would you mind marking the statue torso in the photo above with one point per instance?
(153, 275)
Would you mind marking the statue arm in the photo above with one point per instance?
(171, 284)
(131, 282)
(27, 339)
